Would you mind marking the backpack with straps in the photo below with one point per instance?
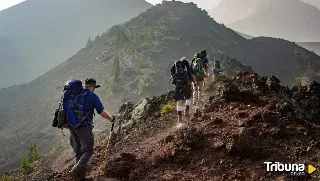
(180, 74)
(197, 65)
(70, 113)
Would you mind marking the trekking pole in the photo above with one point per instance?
(107, 149)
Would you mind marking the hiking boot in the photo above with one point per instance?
(78, 172)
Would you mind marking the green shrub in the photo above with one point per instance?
(112, 85)
(10, 178)
(145, 82)
(302, 81)
(143, 64)
(166, 108)
(26, 167)
(54, 150)
(298, 81)
(33, 155)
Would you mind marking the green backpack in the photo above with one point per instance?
(198, 68)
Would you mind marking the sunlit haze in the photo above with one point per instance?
(206, 4)
(4, 4)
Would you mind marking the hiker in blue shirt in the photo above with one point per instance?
(81, 137)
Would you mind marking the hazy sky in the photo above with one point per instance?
(4, 4)
(206, 4)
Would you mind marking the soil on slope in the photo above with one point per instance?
(241, 124)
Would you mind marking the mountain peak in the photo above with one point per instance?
(283, 19)
(132, 60)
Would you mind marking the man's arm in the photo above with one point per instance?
(206, 65)
(173, 70)
(191, 74)
(100, 109)
(107, 116)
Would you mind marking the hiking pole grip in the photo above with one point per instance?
(112, 126)
(113, 120)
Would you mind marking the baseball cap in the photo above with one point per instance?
(91, 82)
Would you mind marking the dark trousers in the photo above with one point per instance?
(182, 93)
(82, 142)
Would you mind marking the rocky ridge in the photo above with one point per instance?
(242, 123)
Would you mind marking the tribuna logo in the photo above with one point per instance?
(280, 167)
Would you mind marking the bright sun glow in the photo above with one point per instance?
(4, 4)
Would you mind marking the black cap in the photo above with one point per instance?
(91, 82)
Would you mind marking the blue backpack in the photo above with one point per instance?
(71, 108)
(216, 67)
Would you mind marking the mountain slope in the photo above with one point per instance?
(229, 11)
(246, 36)
(312, 46)
(42, 34)
(270, 20)
(145, 47)
(315, 3)
(244, 122)
(28, 109)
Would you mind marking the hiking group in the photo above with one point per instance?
(78, 102)
(189, 80)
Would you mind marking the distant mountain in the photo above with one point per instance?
(311, 46)
(246, 36)
(37, 35)
(229, 11)
(315, 3)
(143, 48)
(288, 19)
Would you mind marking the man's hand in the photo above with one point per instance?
(113, 119)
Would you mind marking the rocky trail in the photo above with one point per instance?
(242, 123)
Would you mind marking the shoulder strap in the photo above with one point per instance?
(185, 68)
(175, 66)
(60, 103)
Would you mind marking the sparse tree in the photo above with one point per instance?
(89, 42)
(26, 167)
(96, 38)
(34, 153)
(116, 69)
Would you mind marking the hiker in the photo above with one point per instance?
(216, 69)
(205, 61)
(182, 76)
(199, 67)
(81, 135)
